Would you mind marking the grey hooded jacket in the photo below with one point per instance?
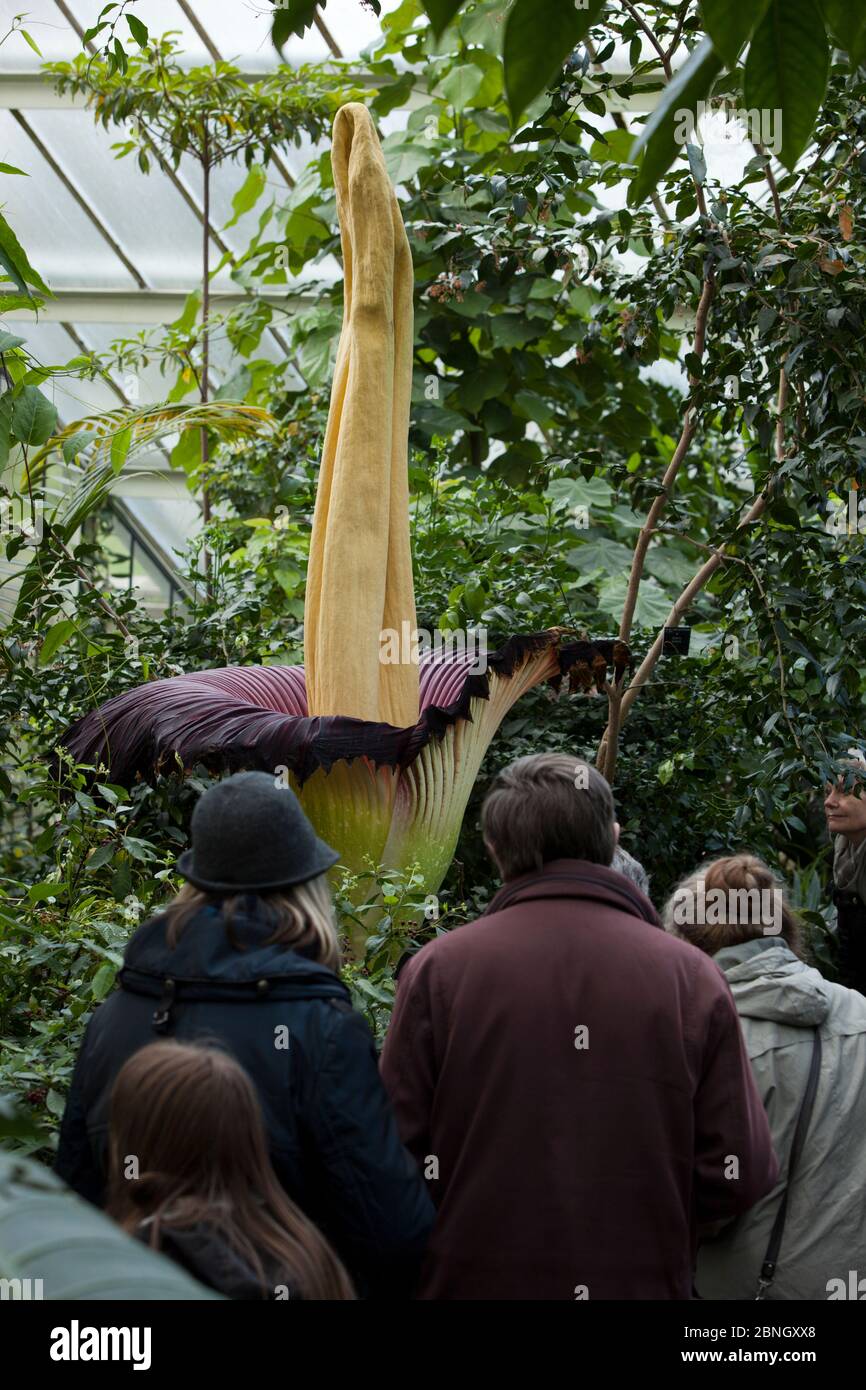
(780, 1001)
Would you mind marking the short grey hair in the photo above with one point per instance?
(630, 868)
(548, 806)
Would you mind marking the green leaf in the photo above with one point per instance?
(600, 553)
(403, 160)
(538, 408)
(846, 20)
(697, 164)
(103, 981)
(75, 443)
(591, 493)
(373, 991)
(249, 193)
(189, 314)
(10, 169)
(55, 1104)
(120, 448)
(461, 84)
(539, 36)
(653, 604)
(31, 42)
(41, 892)
(34, 418)
(121, 881)
(100, 856)
(57, 634)
(481, 385)
(672, 123)
(15, 262)
(138, 30)
(616, 146)
(292, 17)
(730, 25)
(16, 1123)
(315, 356)
(786, 71)
(440, 13)
(303, 227)
(186, 453)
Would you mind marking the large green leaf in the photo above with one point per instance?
(729, 25)
(440, 13)
(539, 35)
(786, 71)
(652, 606)
(592, 493)
(846, 20)
(14, 261)
(292, 17)
(403, 158)
(600, 553)
(47, 1234)
(57, 634)
(248, 194)
(33, 417)
(461, 85)
(669, 127)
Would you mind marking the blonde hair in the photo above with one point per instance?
(302, 916)
(743, 874)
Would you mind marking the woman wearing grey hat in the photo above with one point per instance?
(247, 955)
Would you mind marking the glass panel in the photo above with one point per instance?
(159, 16)
(171, 523)
(242, 34)
(61, 241)
(47, 27)
(146, 215)
(52, 345)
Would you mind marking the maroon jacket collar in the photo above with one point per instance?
(576, 878)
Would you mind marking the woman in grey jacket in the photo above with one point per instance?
(846, 821)
(734, 910)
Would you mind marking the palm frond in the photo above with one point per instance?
(116, 436)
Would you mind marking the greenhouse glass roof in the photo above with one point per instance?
(119, 251)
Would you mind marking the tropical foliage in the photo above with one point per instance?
(613, 368)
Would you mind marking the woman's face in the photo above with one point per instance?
(846, 813)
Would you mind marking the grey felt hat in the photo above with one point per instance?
(249, 835)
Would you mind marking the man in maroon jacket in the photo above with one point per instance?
(571, 1079)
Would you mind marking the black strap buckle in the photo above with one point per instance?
(162, 1015)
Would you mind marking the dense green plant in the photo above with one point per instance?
(548, 416)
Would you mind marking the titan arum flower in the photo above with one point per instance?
(383, 754)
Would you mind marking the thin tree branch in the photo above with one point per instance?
(673, 468)
(642, 25)
(103, 602)
(621, 124)
(708, 569)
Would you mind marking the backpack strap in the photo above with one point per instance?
(768, 1268)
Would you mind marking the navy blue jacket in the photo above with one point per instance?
(333, 1140)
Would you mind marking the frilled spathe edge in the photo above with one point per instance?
(256, 716)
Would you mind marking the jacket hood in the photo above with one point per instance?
(768, 981)
(576, 878)
(205, 955)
